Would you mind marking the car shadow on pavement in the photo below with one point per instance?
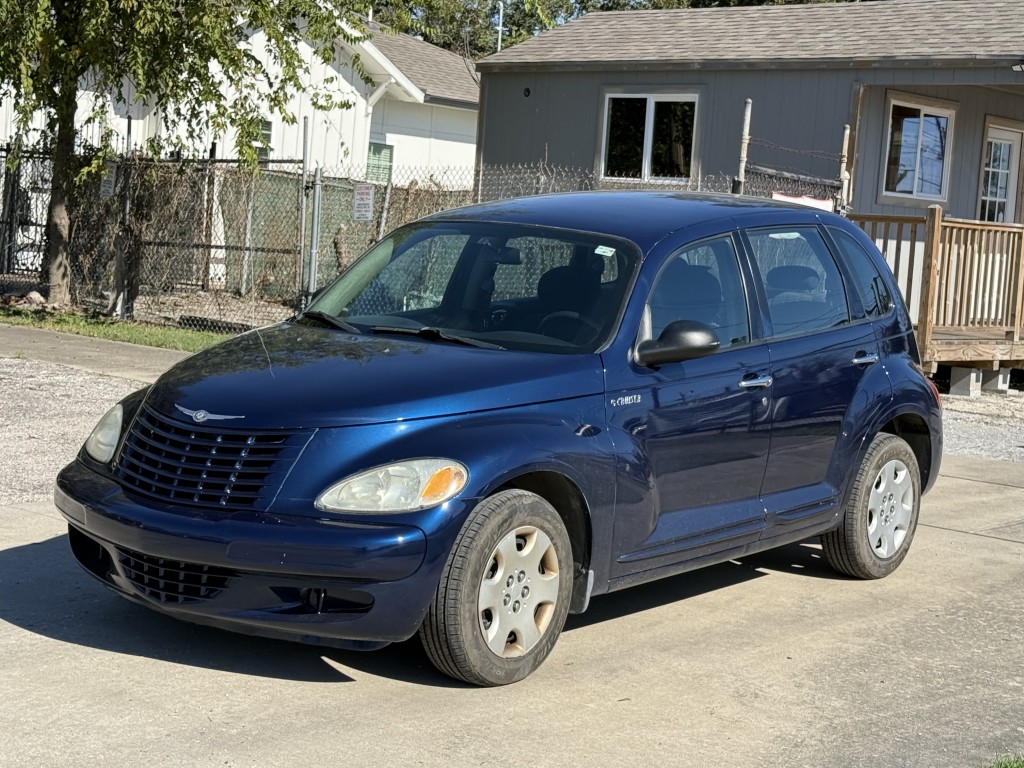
(43, 591)
(804, 559)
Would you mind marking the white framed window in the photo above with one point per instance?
(649, 136)
(266, 144)
(378, 162)
(919, 148)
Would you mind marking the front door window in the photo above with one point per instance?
(998, 199)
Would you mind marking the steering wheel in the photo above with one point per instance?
(550, 323)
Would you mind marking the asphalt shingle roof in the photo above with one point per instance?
(440, 74)
(886, 31)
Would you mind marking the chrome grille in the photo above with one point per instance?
(172, 581)
(195, 466)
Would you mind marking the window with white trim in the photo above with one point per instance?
(378, 162)
(649, 137)
(919, 151)
(264, 148)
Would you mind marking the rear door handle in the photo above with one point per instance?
(756, 382)
(865, 359)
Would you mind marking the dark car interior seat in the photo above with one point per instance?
(795, 301)
(685, 292)
(567, 298)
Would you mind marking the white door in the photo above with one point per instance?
(999, 176)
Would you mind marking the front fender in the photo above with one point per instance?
(567, 437)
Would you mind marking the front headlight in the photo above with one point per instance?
(103, 441)
(405, 486)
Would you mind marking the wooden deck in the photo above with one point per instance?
(963, 282)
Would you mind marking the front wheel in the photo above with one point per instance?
(881, 517)
(504, 593)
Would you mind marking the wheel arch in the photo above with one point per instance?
(913, 430)
(570, 504)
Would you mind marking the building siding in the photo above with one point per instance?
(804, 110)
(973, 105)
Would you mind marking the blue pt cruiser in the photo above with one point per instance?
(501, 411)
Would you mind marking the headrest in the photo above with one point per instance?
(792, 278)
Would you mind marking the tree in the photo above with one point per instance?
(470, 27)
(187, 58)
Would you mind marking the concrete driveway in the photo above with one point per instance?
(771, 661)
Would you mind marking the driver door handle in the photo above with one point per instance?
(756, 382)
(865, 359)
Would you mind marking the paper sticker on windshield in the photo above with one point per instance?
(604, 250)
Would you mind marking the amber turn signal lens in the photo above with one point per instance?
(442, 485)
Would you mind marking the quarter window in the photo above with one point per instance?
(874, 293)
(649, 137)
(801, 280)
(917, 163)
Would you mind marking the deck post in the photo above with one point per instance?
(1018, 300)
(929, 279)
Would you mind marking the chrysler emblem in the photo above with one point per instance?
(200, 416)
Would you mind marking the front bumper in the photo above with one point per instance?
(297, 578)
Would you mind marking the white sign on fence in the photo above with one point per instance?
(109, 181)
(362, 202)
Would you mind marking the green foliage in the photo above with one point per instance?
(470, 27)
(188, 58)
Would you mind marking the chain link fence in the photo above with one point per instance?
(24, 204)
(207, 245)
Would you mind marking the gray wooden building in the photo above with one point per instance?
(932, 90)
(924, 84)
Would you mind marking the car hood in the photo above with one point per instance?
(295, 376)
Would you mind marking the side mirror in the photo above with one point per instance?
(681, 340)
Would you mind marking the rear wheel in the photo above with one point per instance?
(881, 518)
(504, 593)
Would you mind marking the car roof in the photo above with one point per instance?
(642, 216)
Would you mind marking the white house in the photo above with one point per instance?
(420, 111)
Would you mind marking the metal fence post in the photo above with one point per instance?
(250, 204)
(740, 180)
(844, 173)
(126, 266)
(302, 204)
(9, 212)
(383, 229)
(208, 204)
(314, 236)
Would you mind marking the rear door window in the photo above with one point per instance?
(800, 278)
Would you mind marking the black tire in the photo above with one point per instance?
(455, 630)
(881, 517)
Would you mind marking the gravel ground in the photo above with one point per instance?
(986, 427)
(50, 409)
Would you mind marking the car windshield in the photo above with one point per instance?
(485, 284)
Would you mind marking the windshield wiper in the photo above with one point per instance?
(328, 320)
(435, 334)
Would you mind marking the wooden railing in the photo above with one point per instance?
(978, 276)
(955, 274)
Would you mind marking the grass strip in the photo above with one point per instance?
(165, 337)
